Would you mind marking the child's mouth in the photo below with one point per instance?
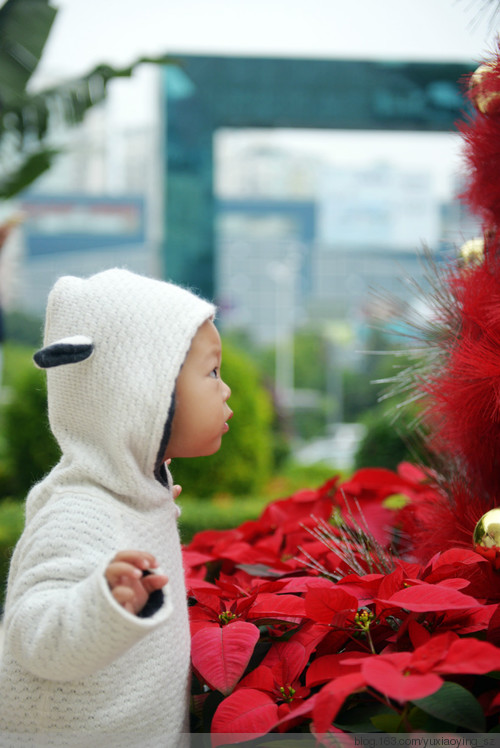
(226, 425)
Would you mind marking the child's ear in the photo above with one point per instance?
(64, 351)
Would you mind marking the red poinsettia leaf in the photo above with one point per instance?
(453, 583)
(494, 627)
(427, 597)
(364, 588)
(371, 479)
(303, 711)
(196, 584)
(470, 656)
(391, 584)
(267, 606)
(208, 600)
(300, 585)
(289, 715)
(244, 712)
(430, 653)
(221, 654)
(411, 473)
(493, 703)
(197, 625)
(310, 635)
(260, 679)
(387, 678)
(325, 668)
(454, 556)
(291, 652)
(418, 634)
(244, 553)
(331, 697)
(207, 541)
(323, 605)
(195, 558)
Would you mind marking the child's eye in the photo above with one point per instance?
(215, 373)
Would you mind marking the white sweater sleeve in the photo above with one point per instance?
(62, 621)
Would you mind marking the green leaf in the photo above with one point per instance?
(454, 704)
(395, 501)
(360, 718)
(33, 166)
(24, 28)
(25, 126)
(424, 722)
(387, 722)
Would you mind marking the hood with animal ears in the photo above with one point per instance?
(114, 345)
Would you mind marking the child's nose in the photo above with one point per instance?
(227, 392)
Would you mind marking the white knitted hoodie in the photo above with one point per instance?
(78, 669)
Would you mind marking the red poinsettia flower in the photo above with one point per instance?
(247, 713)
(322, 633)
(277, 678)
(368, 488)
(401, 676)
(220, 655)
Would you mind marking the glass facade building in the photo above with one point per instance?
(202, 94)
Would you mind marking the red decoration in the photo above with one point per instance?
(318, 645)
(333, 612)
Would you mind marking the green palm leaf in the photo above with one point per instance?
(29, 121)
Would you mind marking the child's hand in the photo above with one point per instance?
(176, 489)
(126, 581)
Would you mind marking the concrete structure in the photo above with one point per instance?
(203, 94)
(79, 234)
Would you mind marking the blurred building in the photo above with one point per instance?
(94, 209)
(204, 94)
(283, 263)
(78, 234)
(296, 240)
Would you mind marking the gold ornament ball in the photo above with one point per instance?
(486, 101)
(487, 532)
(472, 252)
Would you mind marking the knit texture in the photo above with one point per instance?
(77, 668)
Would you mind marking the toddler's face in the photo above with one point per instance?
(201, 409)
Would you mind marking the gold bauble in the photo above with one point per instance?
(486, 537)
(472, 251)
(487, 102)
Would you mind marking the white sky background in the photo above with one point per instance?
(87, 32)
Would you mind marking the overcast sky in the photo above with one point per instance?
(87, 32)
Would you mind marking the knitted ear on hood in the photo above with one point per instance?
(65, 351)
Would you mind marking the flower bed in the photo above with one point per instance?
(305, 620)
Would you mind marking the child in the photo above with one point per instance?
(96, 648)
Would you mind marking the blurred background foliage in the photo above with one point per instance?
(29, 121)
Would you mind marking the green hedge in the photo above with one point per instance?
(30, 449)
(386, 442)
(216, 514)
(11, 525)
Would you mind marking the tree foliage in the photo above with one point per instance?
(30, 450)
(30, 122)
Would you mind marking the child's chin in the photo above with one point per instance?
(207, 451)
